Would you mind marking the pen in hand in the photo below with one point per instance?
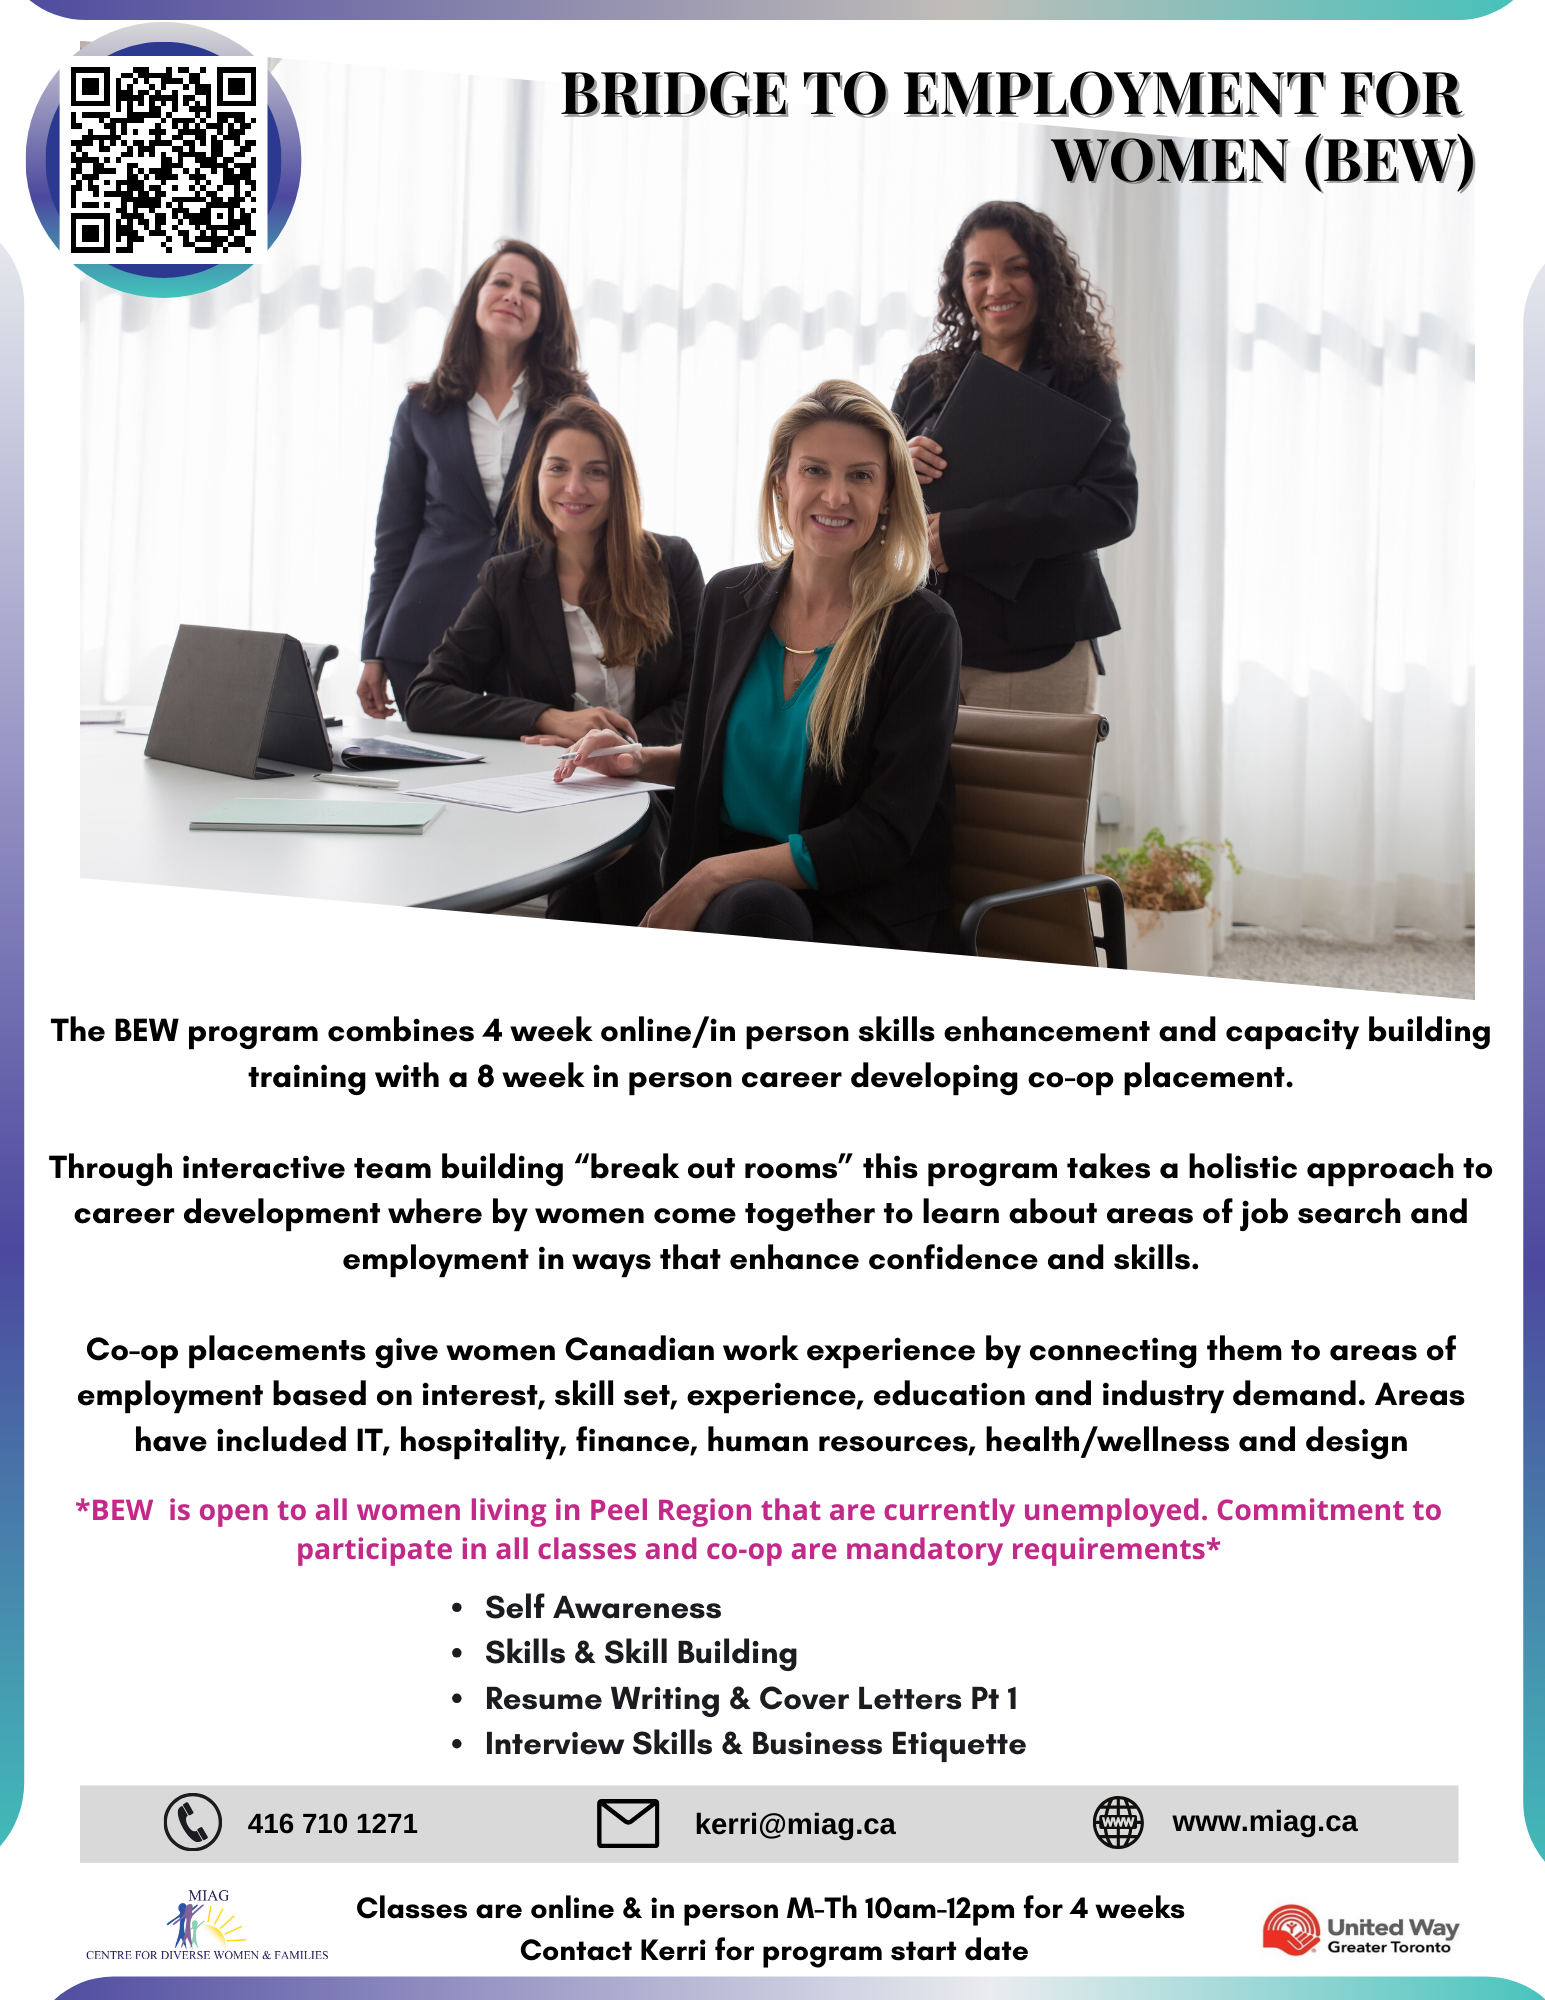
(620, 746)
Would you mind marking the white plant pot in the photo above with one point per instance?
(1171, 941)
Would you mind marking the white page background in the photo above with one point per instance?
(1313, 1660)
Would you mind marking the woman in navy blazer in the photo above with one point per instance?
(460, 439)
(590, 625)
(590, 589)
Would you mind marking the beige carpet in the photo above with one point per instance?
(1413, 963)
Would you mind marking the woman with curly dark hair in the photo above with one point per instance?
(510, 354)
(1012, 290)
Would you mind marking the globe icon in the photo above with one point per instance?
(1118, 1822)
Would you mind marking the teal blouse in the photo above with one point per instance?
(764, 752)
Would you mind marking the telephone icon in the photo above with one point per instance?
(192, 1822)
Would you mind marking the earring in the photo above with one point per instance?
(885, 515)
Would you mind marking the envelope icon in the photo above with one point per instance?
(627, 1823)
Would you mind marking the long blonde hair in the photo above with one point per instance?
(883, 571)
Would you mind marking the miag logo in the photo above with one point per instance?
(194, 1921)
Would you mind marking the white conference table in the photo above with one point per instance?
(135, 813)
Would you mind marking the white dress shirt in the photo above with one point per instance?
(596, 685)
(493, 440)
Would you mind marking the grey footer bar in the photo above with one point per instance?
(640, 1823)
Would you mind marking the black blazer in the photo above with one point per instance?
(880, 835)
(434, 529)
(1064, 598)
(507, 656)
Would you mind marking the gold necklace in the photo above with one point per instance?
(801, 674)
(804, 652)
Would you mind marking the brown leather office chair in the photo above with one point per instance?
(1022, 785)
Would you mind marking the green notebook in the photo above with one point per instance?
(323, 816)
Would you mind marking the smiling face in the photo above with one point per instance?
(574, 483)
(509, 300)
(833, 488)
(1000, 292)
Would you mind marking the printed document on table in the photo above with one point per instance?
(534, 791)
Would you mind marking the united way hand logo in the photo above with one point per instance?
(1292, 1929)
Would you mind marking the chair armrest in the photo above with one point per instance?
(1112, 913)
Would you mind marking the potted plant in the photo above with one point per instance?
(1169, 921)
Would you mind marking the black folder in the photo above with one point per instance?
(396, 753)
(1001, 433)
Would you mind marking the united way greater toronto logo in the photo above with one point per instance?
(1118, 1822)
(1292, 1929)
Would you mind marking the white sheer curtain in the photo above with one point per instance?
(1348, 579)
(1293, 668)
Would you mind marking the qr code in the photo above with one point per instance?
(163, 161)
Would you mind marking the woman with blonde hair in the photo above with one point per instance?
(813, 796)
(591, 624)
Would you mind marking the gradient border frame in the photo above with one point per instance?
(11, 1287)
(1533, 1440)
(754, 1986)
(12, 1103)
(840, 10)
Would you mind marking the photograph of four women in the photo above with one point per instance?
(801, 709)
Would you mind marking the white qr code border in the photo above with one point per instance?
(163, 159)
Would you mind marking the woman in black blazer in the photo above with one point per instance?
(1012, 289)
(591, 625)
(813, 796)
(457, 447)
